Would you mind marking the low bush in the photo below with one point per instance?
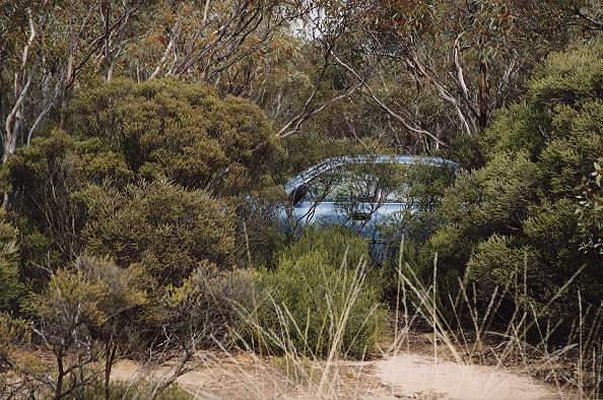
(318, 300)
(10, 286)
(207, 303)
(520, 217)
(133, 391)
(164, 227)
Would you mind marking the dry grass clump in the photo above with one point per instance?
(468, 330)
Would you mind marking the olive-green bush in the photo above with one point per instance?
(119, 134)
(166, 228)
(124, 390)
(315, 290)
(517, 214)
(10, 286)
(142, 179)
(179, 130)
(45, 180)
(208, 303)
(590, 210)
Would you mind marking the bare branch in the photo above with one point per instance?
(384, 106)
(43, 113)
(308, 112)
(205, 11)
(94, 45)
(467, 123)
(460, 78)
(12, 124)
(175, 31)
(583, 13)
(504, 82)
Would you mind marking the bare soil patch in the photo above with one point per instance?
(404, 376)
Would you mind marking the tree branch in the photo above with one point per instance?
(384, 106)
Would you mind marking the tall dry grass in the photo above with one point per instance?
(301, 369)
(467, 330)
(271, 364)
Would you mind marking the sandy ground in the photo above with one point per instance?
(414, 376)
(405, 376)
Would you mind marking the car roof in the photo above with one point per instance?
(335, 162)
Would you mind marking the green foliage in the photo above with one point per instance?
(182, 131)
(70, 306)
(11, 287)
(126, 297)
(45, 180)
(122, 133)
(167, 229)
(133, 391)
(13, 332)
(334, 242)
(318, 299)
(516, 215)
(97, 311)
(208, 301)
(569, 77)
(516, 128)
(498, 262)
(492, 199)
(123, 285)
(574, 145)
(590, 210)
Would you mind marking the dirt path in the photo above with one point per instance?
(415, 376)
(405, 376)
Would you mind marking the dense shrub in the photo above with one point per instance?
(590, 210)
(207, 303)
(10, 285)
(318, 298)
(161, 225)
(182, 131)
(46, 179)
(119, 312)
(13, 332)
(517, 214)
(497, 261)
(118, 134)
(133, 391)
(335, 242)
(151, 191)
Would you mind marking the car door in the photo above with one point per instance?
(347, 195)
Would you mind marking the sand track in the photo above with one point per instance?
(405, 376)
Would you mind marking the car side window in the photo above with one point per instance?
(348, 183)
(377, 183)
(329, 186)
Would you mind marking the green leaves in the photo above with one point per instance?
(167, 229)
(181, 131)
(590, 210)
(519, 211)
(569, 77)
(10, 286)
(70, 304)
(318, 298)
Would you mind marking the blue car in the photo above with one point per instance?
(375, 196)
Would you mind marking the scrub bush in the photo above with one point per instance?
(517, 214)
(318, 299)
(182, 131)
(10, 286)
(166, 228)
